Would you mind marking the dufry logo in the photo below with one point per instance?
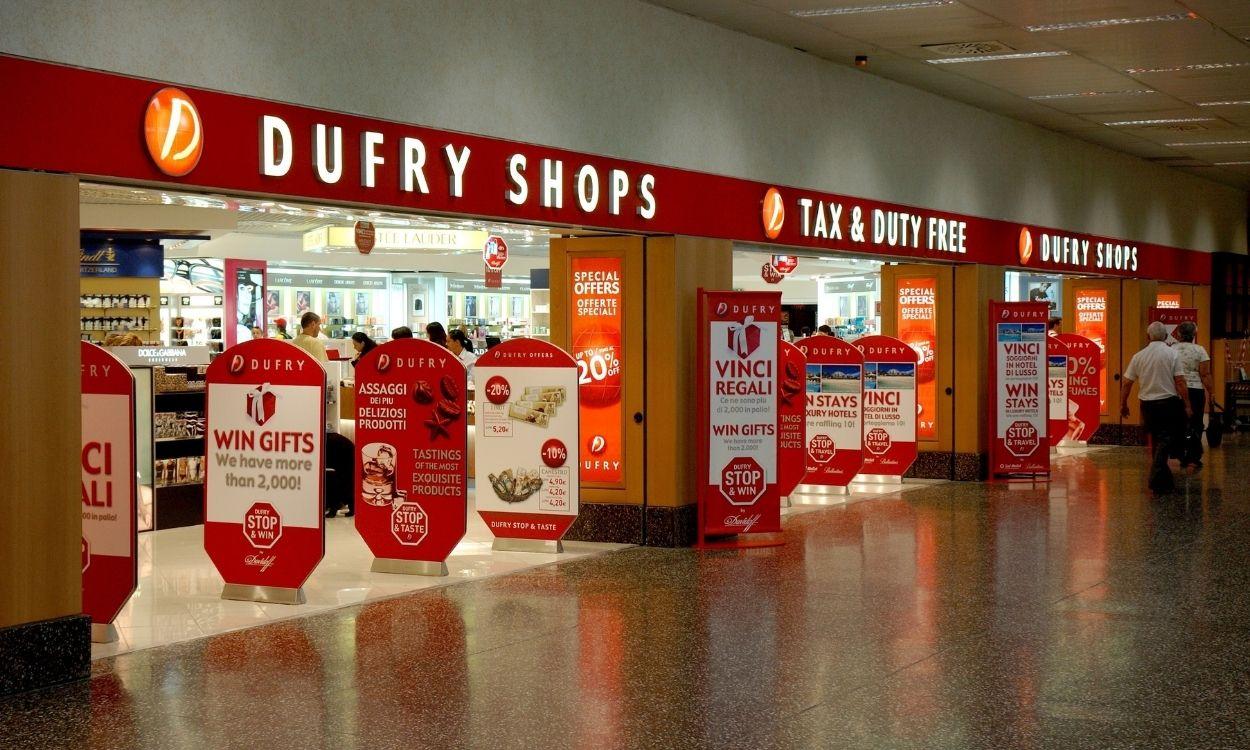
(1026, 246)
(773, 213)
(174, 133)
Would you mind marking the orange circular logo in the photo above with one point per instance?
(774, 213)
(173, 131)
(1026, 246)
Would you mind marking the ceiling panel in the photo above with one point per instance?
(1069, 94)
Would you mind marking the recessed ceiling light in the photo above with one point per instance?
(1079, 94)
(995, 58)
(910, 5)
(1107, 22)
(1210, 143)
(1230, 103)
(1162, 121)
(1231, 163)
(1179, 68)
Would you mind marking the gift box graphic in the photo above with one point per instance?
(261, 404)
(744, 337)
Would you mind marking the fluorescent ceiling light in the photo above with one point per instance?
(911, 5)
(1230, 103)
(1231, 163)
(995, 58)
(1079, 94)
(1162, 121)
(1179, 68)
(1107, 22)
(1210, 143)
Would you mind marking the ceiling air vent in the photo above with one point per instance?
(965, 49)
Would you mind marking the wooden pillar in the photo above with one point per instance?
(975, 287)
(43, 637)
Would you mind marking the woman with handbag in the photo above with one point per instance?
(1196, 364)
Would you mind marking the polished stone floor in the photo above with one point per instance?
(1082, 614)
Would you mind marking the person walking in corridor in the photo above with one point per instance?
(1196, 364)
(1158, 372)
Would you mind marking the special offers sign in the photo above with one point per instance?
(739, 358)
(265, 485)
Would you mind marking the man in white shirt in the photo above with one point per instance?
(306, 339)
(1162, 379)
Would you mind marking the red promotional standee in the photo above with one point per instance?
(527, 453)
(596, 330)
(835, 418)
(889, 405)
(792, 420)
(1018, 384)
(739, 337)
(109, 501)
(264, 494)
(1084, 386)
(1056, 389)
(412, 455)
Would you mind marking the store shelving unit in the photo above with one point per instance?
(140, 319)
(179, 493)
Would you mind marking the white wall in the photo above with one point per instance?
(626, 79)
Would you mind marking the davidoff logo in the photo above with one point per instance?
(264, 562)
(173, 131)
(743, 522)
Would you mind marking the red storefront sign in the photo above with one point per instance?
(1056, 389)
(265, 464)
(596, 328)
(791, 419)
(1171, 317)
(739, 337)
(834, 390)
(917, 327)
(1091, 323)
(412, 450)
(110, 556)
(889, 405)
(527, 451)
(1018, 388)
(257, 146)
(1084, 386)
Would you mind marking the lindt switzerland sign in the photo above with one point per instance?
(265, 476)
(233, 143)
(739, 359)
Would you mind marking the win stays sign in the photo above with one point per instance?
(1018, 377)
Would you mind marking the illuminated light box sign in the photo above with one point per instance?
(157, 356)
(917, 326)
(110, 571)
(1091, 323)
(264, 527)
(596, 328)
(121, 258)
(317, 281)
